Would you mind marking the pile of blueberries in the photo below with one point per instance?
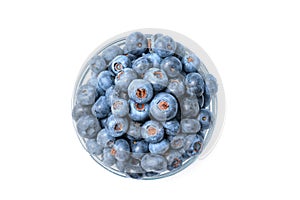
(145, 109)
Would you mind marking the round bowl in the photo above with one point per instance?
(131, 146)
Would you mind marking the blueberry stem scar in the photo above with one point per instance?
(190, 59)
(113, 152)
(163, 105)
(117, 104)
(141, 93)
(140, 107)
(118, 127)
(118, 66)
(158, 74)
(151, 130)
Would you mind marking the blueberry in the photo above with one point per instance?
(111, 52)
(176, 87)
(124, 78)
(157, 77)
(172, 66)
(120, 108)
(104, 139)
(108, 157)
(119, 63)
(207, 97)
(189, 107)
(93, 147)
(141, 65)
(171, 127)
(154, 59)
(174, 160)
(191, 63)
(121, 150)
(177, 141)
(140, 91)
(116, 126)
(193, 145)
(180, 51)
(152, 131)
(138, 112)
(211, 83)
(194, 84)
(190, 125)
(136, 43)
(139, 148)
(160, 147)
(154, 163)
(86, 95)
(100, 108)
(164, 46)
(97, 64)
(105, 79)
(134, 131)
(204, 118)
(163, 107)
(80, 110)
(88, 126)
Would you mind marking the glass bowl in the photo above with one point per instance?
(145, 165)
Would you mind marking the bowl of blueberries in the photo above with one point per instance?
(147, 104)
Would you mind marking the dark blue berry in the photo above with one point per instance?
(204, 118)
(136, 43)
(172, 66)
(157, 77)
(141, 65)
(163, 107)
(164, 46)
(117, 126)
(119, 63)
(140, 91)
(105, 79)
(152, 131)
(160, 147)
(171, 127)
(194, 84)
(138, 112)
(191, 63)
(101, 109)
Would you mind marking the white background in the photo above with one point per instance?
(255, 46)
